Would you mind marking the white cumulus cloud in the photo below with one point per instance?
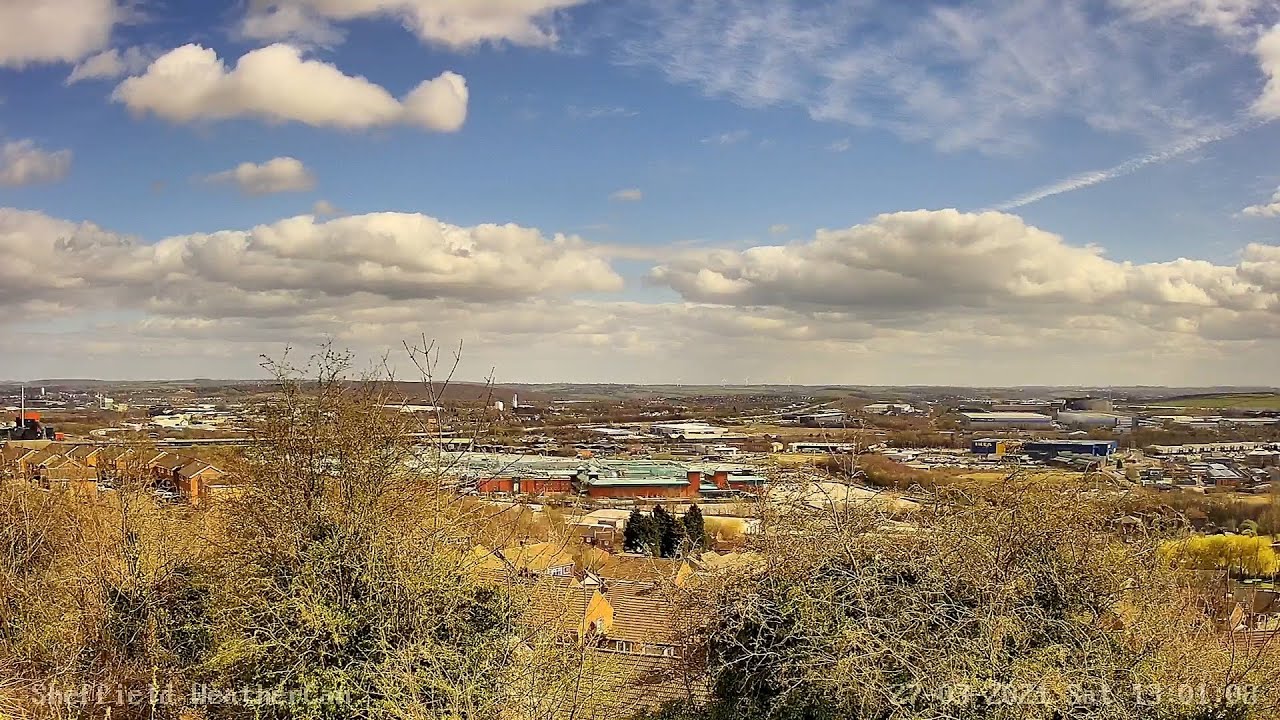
(905, 266)
(295, 264)
(109, 64)
(1266, 209)
(277, 175)
(22, 162)
(454, 24)
(47, 31)
(191, 84)
(1268, 51)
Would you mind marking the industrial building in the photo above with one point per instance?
(823, 418)
(1049, 449)
(1094, 419)
(1216, 473)
(27, 426)
(890, 409)
(688, 431)
(1210, 448)
(1043, 449)
(1017, 420)
(520, 475)
(1090, 404)
(1032, 406)
(806, 446)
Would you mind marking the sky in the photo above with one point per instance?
(980, 192)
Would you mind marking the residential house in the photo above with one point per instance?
(13, 461)
(196, 480)
(79, 466)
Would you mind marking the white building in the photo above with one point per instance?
(688, 430)
(890, 409)
(1090, 419)
(1023, 420)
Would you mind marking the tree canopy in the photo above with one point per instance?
(1019, 603)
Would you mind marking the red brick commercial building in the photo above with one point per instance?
(655, 480)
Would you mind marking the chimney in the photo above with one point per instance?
(722, 479)
(695, 483)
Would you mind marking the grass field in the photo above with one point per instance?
(1243, 401)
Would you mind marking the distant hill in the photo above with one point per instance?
(1223, 397)
(416, 392)
(1227, 401)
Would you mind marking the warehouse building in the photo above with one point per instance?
(823, 418)
(1049, 449)
(518, 475)
(1220, 448)
(1018, 420)
(1092, 419)
(1090, 404)
(691, 430)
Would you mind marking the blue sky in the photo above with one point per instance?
(646, 190)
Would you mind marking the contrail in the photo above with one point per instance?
(1132, 165)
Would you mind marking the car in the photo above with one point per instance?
(167, 495)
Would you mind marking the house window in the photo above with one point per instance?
(669, 651)
(625, 646)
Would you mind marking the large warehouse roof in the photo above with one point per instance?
(1006, 416)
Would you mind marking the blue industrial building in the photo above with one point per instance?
(1048, 449)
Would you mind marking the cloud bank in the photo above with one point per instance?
(922, 296)
(908, 267)
(454, 24)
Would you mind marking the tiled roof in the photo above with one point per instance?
(193, 467)
(84, 452)
(559, 604)
(554, 604)
(611, 684)
(113, 453)
(170, 461)
(539, 557)
(618, 685)
(640, 568)
(70, 470)
(646, 614)
(12, 453)
(43, 458)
